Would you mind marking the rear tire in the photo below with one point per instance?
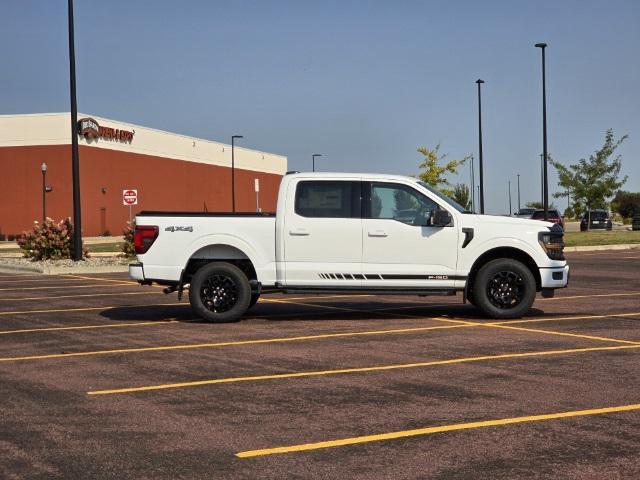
(504, 288)
(220, 292)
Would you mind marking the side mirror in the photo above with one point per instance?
(441, 218)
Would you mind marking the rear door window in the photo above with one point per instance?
(328, 199)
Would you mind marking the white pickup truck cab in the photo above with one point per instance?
(357, 233)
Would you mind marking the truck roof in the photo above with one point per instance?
(372, 176)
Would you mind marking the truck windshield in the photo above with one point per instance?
(441, 196)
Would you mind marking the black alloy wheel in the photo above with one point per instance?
(220, 292)
(504, 288)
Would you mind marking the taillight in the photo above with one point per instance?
(143, 237)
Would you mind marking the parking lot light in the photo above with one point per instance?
(545, 194)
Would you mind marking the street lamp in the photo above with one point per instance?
(43, 168)
(313, 161)
(233, 172)
(545, 194)
(75, 160)
(518, 193)
(480, 82)
(510, 209)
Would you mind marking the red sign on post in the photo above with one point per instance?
(130, 197)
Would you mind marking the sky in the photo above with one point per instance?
(364, 83)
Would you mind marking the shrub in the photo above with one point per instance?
(50, 240)
(128, 248)
(106, 233)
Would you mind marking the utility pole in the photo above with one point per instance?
(510, 210)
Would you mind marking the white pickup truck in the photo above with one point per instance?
(356, 233)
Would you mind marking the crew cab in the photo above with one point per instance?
(356, 233)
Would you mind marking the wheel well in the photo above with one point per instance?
(219, 253)
(503, 252)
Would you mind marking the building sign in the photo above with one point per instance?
(90, 129)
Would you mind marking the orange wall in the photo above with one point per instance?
(162, 184)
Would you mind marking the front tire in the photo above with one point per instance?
(504, 288)
(220, 292)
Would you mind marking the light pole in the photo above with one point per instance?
(480, 82)
(518, 193)
(313, 161)
(233, 172)
(542, 179)
(75, 159)
(43, 168)
(545, 200)
(473, 190)
(510, 210)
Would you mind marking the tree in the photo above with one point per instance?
(462, 195)
(433, 173)
(591, 182)
(626, 204)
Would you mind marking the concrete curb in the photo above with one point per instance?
(61, 270)
(593, 248)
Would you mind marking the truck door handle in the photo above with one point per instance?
(377, 233)
(300, 231)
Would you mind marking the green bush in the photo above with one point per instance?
(128, 248)
(50, 240)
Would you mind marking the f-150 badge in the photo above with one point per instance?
(178, 229)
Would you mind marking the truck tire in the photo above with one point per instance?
(504, 288)
(220, 292)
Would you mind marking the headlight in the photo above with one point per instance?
(552, 242)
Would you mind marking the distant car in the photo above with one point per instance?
(599, 219)
(554, 216)
(525, 212)
(635, 224)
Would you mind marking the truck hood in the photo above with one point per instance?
(501, 221)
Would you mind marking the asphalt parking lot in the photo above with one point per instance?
(102, 378)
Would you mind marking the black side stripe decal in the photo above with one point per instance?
(379, 276)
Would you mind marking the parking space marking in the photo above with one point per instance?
(488, 325)
(100, 279)
(437, 429)
(77, 296)
(65, 278)
(377, 368)
(14, 289)
(230, 343)
(89, 309)
(570, 297)
(396, 331)
(87, 327)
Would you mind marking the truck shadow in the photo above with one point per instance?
(293, 312)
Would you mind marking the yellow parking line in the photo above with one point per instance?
(13, 289)
(88, 309)
(86, 327)
(77, 296)
(377, 368)
(437, 429)
(580, 317)
(231, 343)
(100, 279)
(571, 297)
(488, 325)
(65, 278)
